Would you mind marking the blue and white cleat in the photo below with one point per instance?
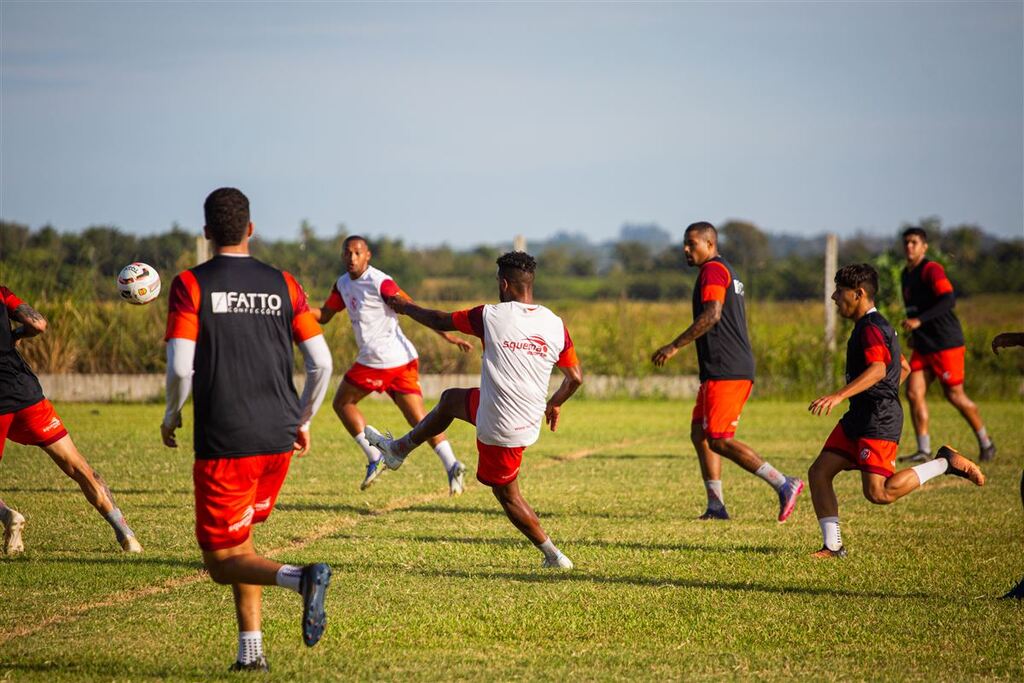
(456, 479)
(313, 587)
(787, 497)
(373, 470)
(386, 445)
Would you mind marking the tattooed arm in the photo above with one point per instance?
(33, 322)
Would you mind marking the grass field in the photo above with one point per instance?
(431, 588)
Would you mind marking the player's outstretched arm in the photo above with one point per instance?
(32, 322)
(1006, 339)
(323, 314)
(708, 318)
(871, 376)
(572, 380)
(435, 320)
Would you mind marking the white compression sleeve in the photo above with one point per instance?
(180, 355)
(319, 364)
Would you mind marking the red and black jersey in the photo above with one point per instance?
(243, 315)
(928, 296)
(19, 387)
(875, 413)
(724, 351)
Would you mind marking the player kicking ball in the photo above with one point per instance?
(868, 434)
(523, 341)
(387, 361)
(28, 418)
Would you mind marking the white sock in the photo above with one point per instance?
(931, 469)
(983, 439)
(713, 487)
(289, 576)
(830, 534)
(372, 454)
(924, 443)
(771, 475)
(446, 454)
(250, 646)
(549, 550)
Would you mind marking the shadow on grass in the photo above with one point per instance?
(327, 507)
(121, 559)
(73, 489)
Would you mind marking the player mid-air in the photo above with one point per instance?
(726, 374)
(387, 360)
(230, 326)
(868, 434)
(28, 418)
(522, 341)
(938, 343)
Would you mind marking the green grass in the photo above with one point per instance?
(428, 588)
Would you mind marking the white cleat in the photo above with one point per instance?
(560, 562)
(386, 446)
(456, 479)
(12, 533)
(131, 545)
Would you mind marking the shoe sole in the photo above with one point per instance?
(314, 617)
(13, 543)
(368, 481)
(790, 505)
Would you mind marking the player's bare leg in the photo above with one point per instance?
(788, 488)
(917, 392)
(962, 402)
(450, 407)
(68, 458)
(345, 406)
(826, 506)
(525, 519)
(412, 408)
(711, 472)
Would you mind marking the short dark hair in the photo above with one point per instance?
(861, 275)
(916, 231)
(702, 227)
(227, 216)
(517, 267)
(354, 238)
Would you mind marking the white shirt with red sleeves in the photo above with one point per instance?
(378, 335)
(522, 343)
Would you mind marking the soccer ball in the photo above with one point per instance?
(138, 283)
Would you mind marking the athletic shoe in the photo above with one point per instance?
(12, 533)
(131, 545)
(258, 665)
(313, 587)
(560, 562)
(826, 554)
(787, 497)
(920, 456)
(384, 444)
(988, 452)
(719, 513)
(1016, 593)
(456, 479)
(373, 470)
(959, 466)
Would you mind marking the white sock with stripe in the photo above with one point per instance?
(716, 500)
(771, 475)
(289, 576)
(371, 452)
(445, 454)
(250, 646)
(831, 536)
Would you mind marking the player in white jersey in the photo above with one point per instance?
(523, 341)
(387, 361)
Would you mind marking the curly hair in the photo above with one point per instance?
(517, 266)
(858, 275)
(227, 216)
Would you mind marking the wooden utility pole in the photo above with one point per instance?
(202, 249)
(519, 243)
(831, 266)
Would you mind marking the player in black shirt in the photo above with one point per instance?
(868, 434)
(938, 343)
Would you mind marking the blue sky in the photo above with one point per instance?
(467, 123)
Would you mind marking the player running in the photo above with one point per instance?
(867, 435)
(230, 326)
(28, 418)
(726, 374)
(387, 361)
(522, 342)
(938, 343)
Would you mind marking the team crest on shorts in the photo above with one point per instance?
(864, 454)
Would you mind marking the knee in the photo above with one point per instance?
(878, 497)
(449, 399)
(217, 571)
(719, 446)
(915, 394)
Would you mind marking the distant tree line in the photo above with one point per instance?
(644, 264)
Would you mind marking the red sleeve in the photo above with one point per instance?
(11, 299)
(875, 348)
(470, 321)
(390, 288)
(567, 358)
(304, 325)
(713, 280)
(183, 308)
(334, 301)
(935, 275)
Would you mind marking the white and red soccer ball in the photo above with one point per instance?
(138, 283)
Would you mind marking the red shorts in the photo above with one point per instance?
(36, 425)
(232, 494)
(870, 455)
(496, 465)
(405, 379)
(719, 404)
(947, 365)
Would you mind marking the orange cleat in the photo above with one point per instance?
(959, 466)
